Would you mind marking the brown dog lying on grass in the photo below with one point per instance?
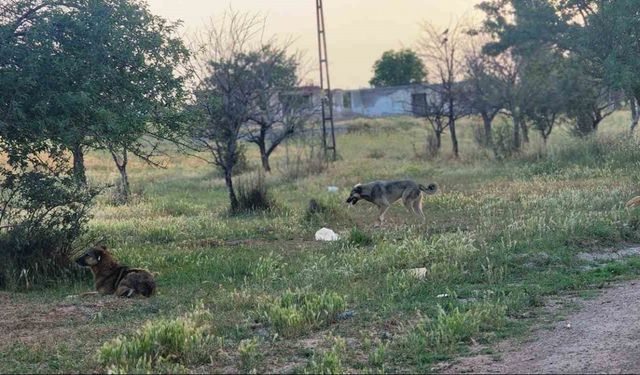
(110, 277)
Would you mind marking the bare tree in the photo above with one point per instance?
(434, 109)
(442, 51)
(278, 110)
(222, 94)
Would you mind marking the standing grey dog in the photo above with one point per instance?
(385, 193)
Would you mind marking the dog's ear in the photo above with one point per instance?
(103, 247)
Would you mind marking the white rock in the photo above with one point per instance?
(332, 189)
(326, 234)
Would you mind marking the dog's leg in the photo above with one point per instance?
(408, 204)
(383, 210)
(125, 291)
(417, 208)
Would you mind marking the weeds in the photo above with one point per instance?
(250, 355)
(253, 194)
(294, 313)
(441, 336)
(328, 362)
(164, 345)
(357, 237)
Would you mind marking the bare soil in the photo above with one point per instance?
(603, 336)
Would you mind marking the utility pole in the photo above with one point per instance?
(327, 97)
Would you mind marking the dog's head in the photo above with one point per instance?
(355, 195)
(93, 256)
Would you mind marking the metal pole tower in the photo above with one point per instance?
(327, 97)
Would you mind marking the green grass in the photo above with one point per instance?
(499, 237)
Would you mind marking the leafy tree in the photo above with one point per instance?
(482, 89)
(94, 74)
(542, 79)
(598, 35)
(398, 68)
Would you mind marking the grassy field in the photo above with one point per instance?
(254, 292)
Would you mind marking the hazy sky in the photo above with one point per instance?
(358, 31)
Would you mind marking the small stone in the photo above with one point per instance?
(346, 314)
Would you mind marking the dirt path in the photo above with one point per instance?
(603, 336)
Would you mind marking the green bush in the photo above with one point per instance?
(41, 217)
(293, 313)
(162, 345)
(503, 140)
(328, 362)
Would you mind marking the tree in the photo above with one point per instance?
(436, 114)
(398, 68)
(106, 77)
(223, 97)
(542, 79)
(42, 209)
(277, 111)
(441, 51)
(587, 99)
(482, 88)
(600, 36)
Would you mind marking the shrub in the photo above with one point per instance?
(442, 335)
(328, 362)
(503, 140)
(253, 194)
(164, 345)
(295, 312)
(41, 217)
(249, 355)
(318, 209)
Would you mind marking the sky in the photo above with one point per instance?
(358, 31)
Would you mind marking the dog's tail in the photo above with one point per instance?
(429, 189)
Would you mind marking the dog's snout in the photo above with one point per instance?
(81, 261)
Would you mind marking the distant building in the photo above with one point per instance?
(407, 100)
(383, 101)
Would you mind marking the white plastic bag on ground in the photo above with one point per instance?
(326, 234)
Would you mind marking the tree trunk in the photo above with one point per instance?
(488, 136)
(124, 188)
(525, 131)
(516, 133)
(454, 138)
(78, 165)
(633, 104)
(232, 194)
(438, 140)
(264, 157)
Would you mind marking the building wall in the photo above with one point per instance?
(377, 102)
